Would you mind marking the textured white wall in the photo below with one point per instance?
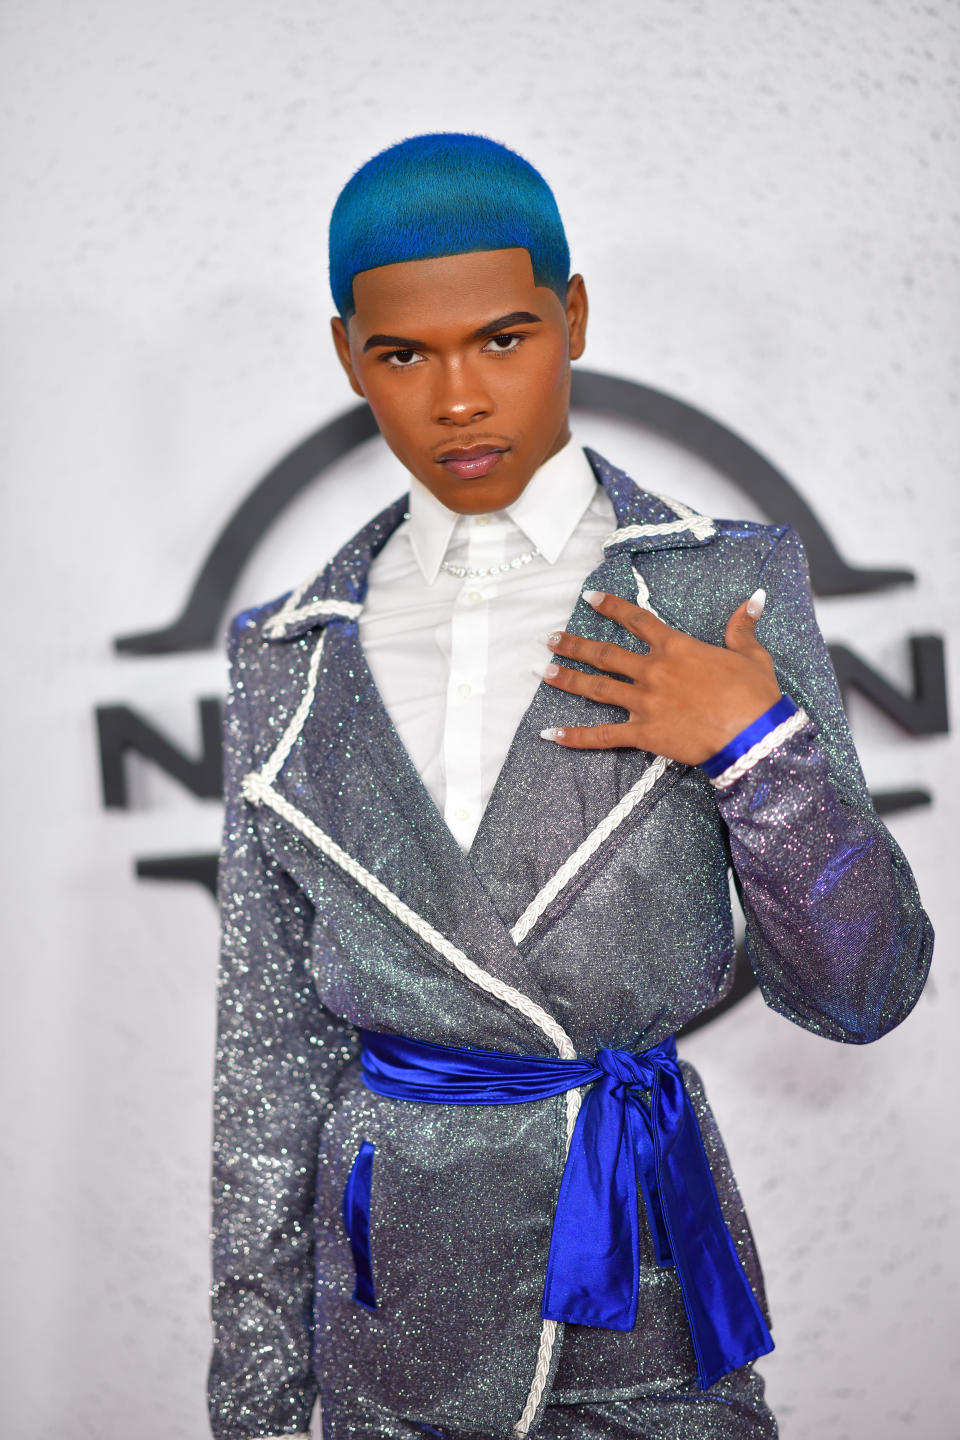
(763, 198)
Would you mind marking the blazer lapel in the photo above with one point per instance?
(375, 805)
(546, 799)
(351, 775)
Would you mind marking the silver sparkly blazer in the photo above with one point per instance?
(592, 910)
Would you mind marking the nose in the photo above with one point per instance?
(460, 397)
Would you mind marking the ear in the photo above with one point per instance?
(341, 343)
(577, 310)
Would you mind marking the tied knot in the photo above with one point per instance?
(635, 1072)
(636, 1133)
(632, 1071)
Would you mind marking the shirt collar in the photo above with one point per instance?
(548, 511)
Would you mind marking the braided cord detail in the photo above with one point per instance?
(548, 1331)
(260, 791)
(608, 824)
(292, 601)
(279, 622)
(765, 746)
(277, 760)
(699, 525)
(588, 847)
(276, 623)
(548, 1335)
(258, 788)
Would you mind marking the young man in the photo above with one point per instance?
(462, 1184)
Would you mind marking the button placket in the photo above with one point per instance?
(469, 662)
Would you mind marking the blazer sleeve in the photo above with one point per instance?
(835, 933)
(278, 1052)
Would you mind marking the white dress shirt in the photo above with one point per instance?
(455, 658)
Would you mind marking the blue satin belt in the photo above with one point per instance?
(636, 1124)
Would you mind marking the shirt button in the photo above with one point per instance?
(464, 691)
(461, 813)
(474, 597)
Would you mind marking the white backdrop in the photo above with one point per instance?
(763, 199)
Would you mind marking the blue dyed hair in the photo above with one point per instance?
(444, 194)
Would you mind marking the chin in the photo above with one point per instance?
(475, 497)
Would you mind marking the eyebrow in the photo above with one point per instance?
(493, 327)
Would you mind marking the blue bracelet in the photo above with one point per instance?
(747, 738)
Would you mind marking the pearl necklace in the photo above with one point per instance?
(468, 572)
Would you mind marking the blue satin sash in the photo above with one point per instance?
(636, 1126)
(356, 1222)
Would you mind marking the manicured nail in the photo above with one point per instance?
(547, 671)
(553, 638)
(593, 597)
(552, 733)
(756, 603)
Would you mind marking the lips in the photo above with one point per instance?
(472, 461)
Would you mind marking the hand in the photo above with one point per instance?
(685, 699)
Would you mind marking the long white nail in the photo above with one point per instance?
(552, 733)
(593, 597)
(546, 671)
(756, 603)
(554, 638)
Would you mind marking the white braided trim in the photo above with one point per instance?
(548, 1335)
(258, 788)
(278, 623)
(277, 760)
(520, 930)
(260, 792)
(588, 847)
(699, 525)
(293, 599)
(658, 767)
(765, 746)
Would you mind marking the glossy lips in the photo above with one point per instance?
(472, 462)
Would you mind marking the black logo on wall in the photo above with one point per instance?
(123, 731)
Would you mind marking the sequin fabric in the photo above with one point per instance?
(734, 1409)
(641, 940)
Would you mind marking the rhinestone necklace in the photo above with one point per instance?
(469, 572)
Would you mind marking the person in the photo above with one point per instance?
(486, 775)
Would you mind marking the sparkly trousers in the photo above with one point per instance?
(733, 1409)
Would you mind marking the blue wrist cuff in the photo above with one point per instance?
(747, 738)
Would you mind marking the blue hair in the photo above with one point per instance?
(444, 194)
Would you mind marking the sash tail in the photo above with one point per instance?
(622, 1146)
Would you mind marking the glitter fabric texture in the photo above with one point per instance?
(734, 1409)
(640, 941)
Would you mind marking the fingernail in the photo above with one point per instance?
(553, 638)
(593, 597)
(547, 671)
(552, 733)
(756, 603)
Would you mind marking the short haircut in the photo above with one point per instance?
(444, 194)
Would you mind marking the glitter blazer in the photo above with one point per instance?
(591, 911)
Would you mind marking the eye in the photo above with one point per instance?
(401, 359)
(503, 344)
